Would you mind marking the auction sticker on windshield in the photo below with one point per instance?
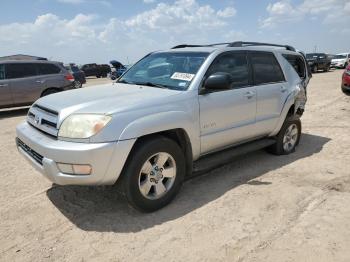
(182, 76)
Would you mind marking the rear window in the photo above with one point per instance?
(2, 72)
(266, 69)
(48, 69)
(20, 70)
(297, 63)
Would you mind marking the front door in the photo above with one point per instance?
(228, 116)
(24, 82)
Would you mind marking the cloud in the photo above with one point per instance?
(329, 11)
(91, 38)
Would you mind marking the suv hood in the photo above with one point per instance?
(106, 99)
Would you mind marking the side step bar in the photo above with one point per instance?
(214, 160)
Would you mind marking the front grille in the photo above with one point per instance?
(43, 119)
(36, 156)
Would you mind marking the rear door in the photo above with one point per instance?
(49, 76)
(24, 83)
(5, 92)
(271, 89)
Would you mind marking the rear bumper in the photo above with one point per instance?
(43, 153)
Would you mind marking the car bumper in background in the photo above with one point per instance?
(44, 153)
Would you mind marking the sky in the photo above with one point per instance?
(86, 31)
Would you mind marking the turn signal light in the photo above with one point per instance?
(73, 169)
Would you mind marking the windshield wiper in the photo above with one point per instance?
(124, 82)
(150, 84)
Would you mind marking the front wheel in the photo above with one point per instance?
(288, 137)
(153, 174)
(315, 69)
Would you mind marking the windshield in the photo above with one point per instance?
(173, 70)
(314, 56)
(339, 57)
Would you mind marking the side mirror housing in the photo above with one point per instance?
(218, 81)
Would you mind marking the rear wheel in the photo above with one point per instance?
(153, 174)
(288, 137)
(77, 84)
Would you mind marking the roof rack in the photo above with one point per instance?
(238, 44)
(210, 45)
(242, 44)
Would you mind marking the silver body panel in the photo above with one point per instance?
(212, 121)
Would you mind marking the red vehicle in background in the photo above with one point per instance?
(345, 86)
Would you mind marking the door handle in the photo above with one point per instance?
(283, 89)
(249, 94)
(3, 85)
(39, 81)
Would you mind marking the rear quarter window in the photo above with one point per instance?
(48, 69)
(266, 68)
(297, 63)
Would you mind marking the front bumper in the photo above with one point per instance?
(43, 153)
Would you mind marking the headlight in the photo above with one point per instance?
(347, 72)
(82, 125)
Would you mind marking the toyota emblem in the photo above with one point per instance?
(37, 120)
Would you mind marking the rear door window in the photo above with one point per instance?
(2, 72)
(297, 63)
(20, 70)
(48, 69)
(235, 64)
(266, 69)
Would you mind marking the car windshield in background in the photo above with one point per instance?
(339, 57)
(314, 56)
(173, 70)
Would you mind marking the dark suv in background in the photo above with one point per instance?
(96, 70)
(319, 61)
(23, 82)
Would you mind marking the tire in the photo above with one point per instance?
(49, 92)
(314, 69)
(287, 136)
(144, 182)
(326, 69)
(77, 84)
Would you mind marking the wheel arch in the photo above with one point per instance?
(50, 88)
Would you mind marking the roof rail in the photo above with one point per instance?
(210, 45)
(242, 44)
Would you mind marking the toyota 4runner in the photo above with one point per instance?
(168, 115)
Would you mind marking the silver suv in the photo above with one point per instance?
(167, 116)
(23, 82)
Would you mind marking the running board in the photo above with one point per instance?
(214, 160)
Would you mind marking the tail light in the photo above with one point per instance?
(69, 77)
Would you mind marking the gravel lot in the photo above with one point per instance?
(259, 208)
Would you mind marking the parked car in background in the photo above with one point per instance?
(96, 70)
(340, 60)
(162, 118)
(346, 80)
(117, 70)
(79, 75)
(318, 61)
(23, 82)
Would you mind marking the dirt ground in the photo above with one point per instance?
(258, 208)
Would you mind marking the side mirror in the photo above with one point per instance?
(218, 81)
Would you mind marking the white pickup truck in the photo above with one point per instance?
(168, 114)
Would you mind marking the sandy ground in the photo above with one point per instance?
(258, 208)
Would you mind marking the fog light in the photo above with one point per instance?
(73, 169)
(82, 169)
